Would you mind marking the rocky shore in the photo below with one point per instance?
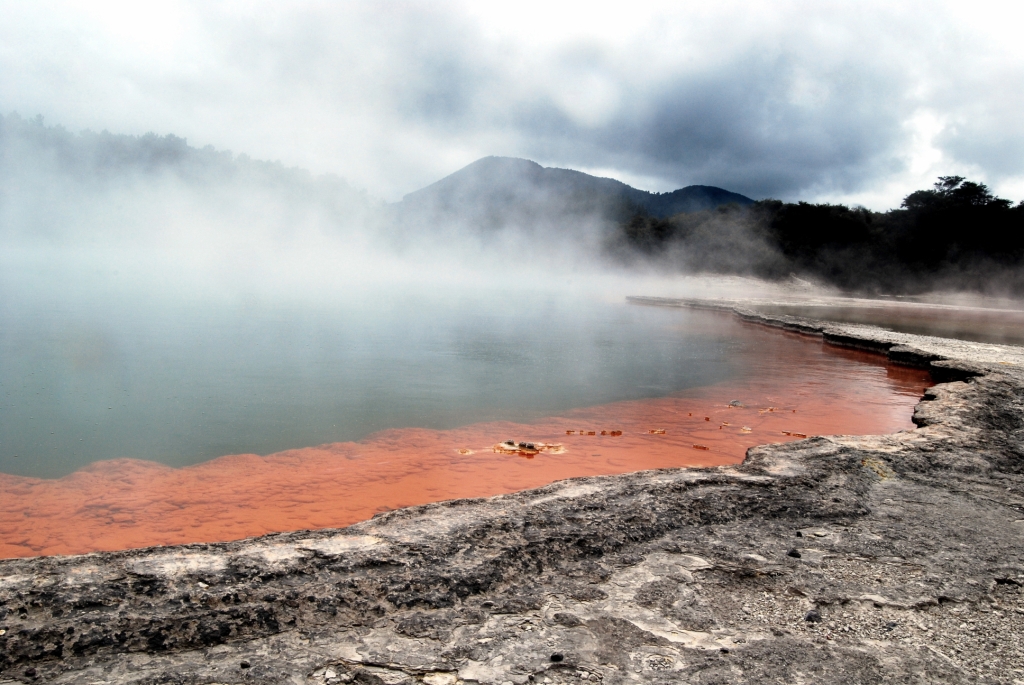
(896, 558)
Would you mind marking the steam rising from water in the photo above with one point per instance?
(120, 281)
(117, 213)
(152, 294)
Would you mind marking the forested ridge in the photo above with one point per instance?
(57, 185)
(28, 147)
(954, 235)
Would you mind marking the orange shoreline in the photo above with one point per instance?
(127, 503)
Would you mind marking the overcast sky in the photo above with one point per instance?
(860, 102)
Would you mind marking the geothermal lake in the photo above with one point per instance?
(131, 419)
(181, 383)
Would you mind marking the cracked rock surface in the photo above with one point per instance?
(852, 559)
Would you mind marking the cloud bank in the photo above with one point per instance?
(795, 100)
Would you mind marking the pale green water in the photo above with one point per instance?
(90, 372)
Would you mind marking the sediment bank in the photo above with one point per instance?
(869, 559)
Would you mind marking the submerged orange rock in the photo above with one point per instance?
(127, 503)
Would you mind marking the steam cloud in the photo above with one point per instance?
(75, 208)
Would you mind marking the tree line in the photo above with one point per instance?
(954, 235)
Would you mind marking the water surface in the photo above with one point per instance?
(136, 413)
(88, 376)
(801, 388)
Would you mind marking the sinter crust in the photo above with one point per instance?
(842, 559)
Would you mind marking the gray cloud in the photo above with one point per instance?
(737, 128)
(794, 101)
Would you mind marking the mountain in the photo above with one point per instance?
(688, 199)
(497, 191)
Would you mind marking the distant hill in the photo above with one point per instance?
(28, 147)
(496, 191)
(59, 185)
(688, 199)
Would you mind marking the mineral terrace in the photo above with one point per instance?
(847, 559)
